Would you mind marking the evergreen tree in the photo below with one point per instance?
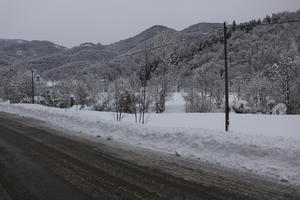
(258, 21)
(233, 25)
(267, 20)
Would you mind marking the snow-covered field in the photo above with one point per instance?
(261, 144)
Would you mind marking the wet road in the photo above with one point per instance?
(40, 162)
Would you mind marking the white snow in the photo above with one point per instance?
(266, 145)
(19, 53)
(52, 83)
(287, 126)
(279, 109)
(20, 41)
(87, 44)
(175, 104)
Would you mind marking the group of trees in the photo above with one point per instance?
(263, 67)
(204, 92)
(146, 88)
(16, 85)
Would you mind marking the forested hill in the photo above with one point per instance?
(13, 51)
(56, 62)
(263, 62)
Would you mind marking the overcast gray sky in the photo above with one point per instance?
(71, 22)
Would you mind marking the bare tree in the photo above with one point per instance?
(162, 75)
(284, 73)
(17, 86)
(145, 74)
(81, 91)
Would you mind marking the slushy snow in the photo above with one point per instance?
(260, 144)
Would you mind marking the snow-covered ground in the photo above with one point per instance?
(261, 144)
(175, 104)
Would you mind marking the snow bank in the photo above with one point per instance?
(276, 157)
(287, 126)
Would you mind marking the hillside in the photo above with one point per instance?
(202, 27)
(55, 62)
(14, 51)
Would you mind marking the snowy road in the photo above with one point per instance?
(275, 153)
(40, 162)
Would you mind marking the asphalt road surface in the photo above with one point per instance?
(41, 162)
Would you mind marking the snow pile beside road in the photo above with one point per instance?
(276, 157)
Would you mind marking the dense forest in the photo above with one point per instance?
(139, 74)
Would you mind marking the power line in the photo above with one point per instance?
(283, 22)
(160, 46)
(164, 45)
(289, 21)
(197, 36)
(273, 23)
(203, 34)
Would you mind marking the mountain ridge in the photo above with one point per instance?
(47, 57)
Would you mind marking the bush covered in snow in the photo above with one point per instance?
(279, 109)
(195, 102)
(103, 102)
(240, 106)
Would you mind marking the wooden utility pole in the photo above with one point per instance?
(226, 80)
(32, 86)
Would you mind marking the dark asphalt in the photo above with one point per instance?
(40, 162)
